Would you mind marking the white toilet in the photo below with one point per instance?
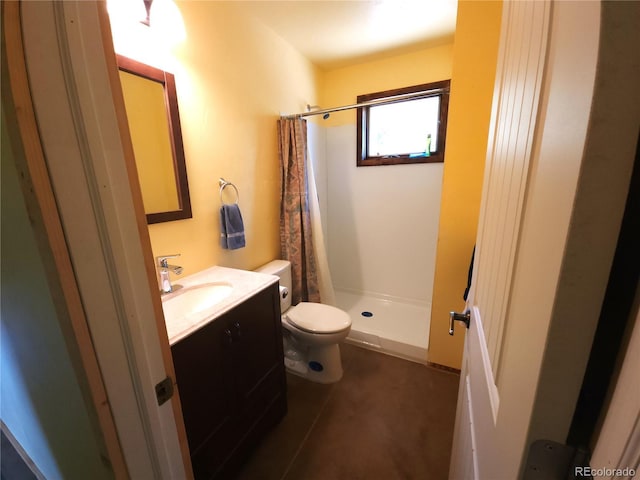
(311, 331)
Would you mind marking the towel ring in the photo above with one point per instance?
(224, 184)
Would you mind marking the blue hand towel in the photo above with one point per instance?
(231, 227)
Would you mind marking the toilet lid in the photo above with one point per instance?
(318, 318)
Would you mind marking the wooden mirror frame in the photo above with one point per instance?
(167, 81)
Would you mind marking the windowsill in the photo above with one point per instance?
(401, 159)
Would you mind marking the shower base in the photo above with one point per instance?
(388, 325)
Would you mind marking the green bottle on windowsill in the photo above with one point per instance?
(427, 152)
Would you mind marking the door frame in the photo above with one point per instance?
(64, 85)
(596, 218)
(560, 277)
(49, 234)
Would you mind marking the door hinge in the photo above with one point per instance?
(164, 390)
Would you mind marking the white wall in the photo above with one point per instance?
(40, 399)
(382, 222)
(317, 147)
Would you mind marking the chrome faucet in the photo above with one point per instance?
(164, 268)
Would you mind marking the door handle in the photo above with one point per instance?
(459, 317)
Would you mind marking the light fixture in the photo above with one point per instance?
(148, 31)
(162, 16)
(126, 11)
(165, 18)
(147, 6)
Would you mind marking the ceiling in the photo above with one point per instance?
(334, 33)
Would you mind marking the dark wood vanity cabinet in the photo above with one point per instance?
(231, 379)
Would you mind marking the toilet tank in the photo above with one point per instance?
(282, 269)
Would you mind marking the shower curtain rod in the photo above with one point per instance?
(382, 101)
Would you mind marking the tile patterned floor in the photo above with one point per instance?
(386, 419)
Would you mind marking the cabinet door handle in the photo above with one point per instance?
(228, 337)
(237, 329)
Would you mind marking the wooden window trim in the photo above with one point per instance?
(364, 160)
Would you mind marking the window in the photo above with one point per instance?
(404, 131)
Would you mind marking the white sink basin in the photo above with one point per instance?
(206, 295)
(195, 299)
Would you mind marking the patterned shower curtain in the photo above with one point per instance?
(296, 244)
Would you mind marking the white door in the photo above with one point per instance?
(524, 36)
(540, 119)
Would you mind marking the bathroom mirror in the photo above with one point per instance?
(152, 112)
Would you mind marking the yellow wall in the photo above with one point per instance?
(342, 85)
(234, 78)
(474, 64)
(470, 63)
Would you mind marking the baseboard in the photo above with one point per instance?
(444, 367)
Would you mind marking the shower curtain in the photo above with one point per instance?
(325, 285)
(301, 239)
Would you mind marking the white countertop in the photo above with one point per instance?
(245, 284)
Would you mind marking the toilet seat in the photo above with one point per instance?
(318, 318)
